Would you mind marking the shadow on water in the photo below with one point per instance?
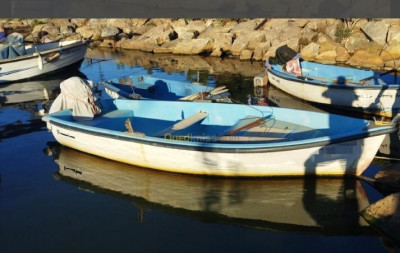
(328, 206)
(312, 200)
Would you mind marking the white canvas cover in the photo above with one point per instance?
(76, 94)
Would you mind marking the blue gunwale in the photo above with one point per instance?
(170, 89)
(222, 147)
(276, 70)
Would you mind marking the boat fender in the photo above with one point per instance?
(52, 57)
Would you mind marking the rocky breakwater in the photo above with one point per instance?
(364, 43)
(385, 216)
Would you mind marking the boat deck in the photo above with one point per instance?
(197, 130)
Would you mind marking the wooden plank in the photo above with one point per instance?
(185, 123)
(243, 124)
(202, 95)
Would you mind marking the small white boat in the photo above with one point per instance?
(344, 87)
(216, 139)
(39, 59)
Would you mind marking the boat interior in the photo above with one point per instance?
(206, 124)
(332, 74)
(34, 48)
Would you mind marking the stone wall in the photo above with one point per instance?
(361, 43)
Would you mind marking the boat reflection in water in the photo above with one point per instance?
(324, 206)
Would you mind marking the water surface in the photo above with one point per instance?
(55, 199)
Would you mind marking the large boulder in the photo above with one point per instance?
(223, 42)
(293, 43)
(60, 22)
(109, 31)
(391, 52)
(391, 21)
(260, 50)
(243, 28)
(370, 47)
(79, 22)
(158, 34)
(394, 34)
(197, 25)
(363, 58)
(307, 33)
(327, 44)
(317, 25)
(342, 55)
(246, 54)
(271, 52)
(277, 24)
(327, 57)
(137, 22)
(385, 215)
(49, 28)
(160, 21)
(89, 32)
(310, 51)
(167, 47)
(254, 38)
(195, 46)
(389, 176)
(376, 31)
(290, 31)
(353, 40)
(124, 24)
(97, 23)
(217, 28)
(67, 30)
(189, 30)
(239, 44)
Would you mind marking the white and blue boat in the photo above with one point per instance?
(37, 59)
(348, 88)
(221, 139)
(150, 87)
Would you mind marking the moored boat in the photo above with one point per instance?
(38, 59)
(221, 139)
(150, 87)
(348, 88)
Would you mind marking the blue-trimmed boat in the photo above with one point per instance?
(348, 88)
(150, 87)
(222, 139)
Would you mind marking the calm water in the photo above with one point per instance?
(54, 199)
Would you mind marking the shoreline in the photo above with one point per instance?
(360, 43)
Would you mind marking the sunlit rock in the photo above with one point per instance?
(195, 46)
(376, 31)
(363, 58)
(310, 51)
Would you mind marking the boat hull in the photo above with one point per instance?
(373, 100)
(29, 66)
(347, 157)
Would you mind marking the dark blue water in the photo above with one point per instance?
(54, 199)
